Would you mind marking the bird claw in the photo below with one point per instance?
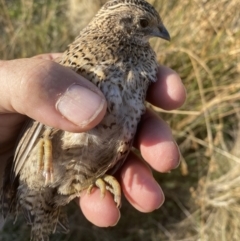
(48, 176)
(109, 183)
(45, 160)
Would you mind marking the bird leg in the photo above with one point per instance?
(45, 160)
(109, 183)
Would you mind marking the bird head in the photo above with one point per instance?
(136, 20)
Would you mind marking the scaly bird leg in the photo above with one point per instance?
(45, 159)
(109, 183)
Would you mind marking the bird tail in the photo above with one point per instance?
(37, 206)
(41, 214)
(8, 192)
(46, 223)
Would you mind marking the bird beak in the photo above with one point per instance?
(162, 32)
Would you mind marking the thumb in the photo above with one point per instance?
(51, 94)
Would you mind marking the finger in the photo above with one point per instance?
(139, 186)
(10, 125)
(168, 92)
(51, 94)
(95, 208)
(48, 56)
(156, 143)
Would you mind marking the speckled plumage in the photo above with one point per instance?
(112, 52)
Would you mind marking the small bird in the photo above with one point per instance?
(51, 167)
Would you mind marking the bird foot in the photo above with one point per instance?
(45, 160)
(109, 183)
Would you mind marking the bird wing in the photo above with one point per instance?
(27, 138)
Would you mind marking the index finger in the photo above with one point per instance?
(48, 56)
(168, 92)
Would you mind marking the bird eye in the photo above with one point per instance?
(144, 23)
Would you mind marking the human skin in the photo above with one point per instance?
(39, 81)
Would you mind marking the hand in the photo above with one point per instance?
(32, 87)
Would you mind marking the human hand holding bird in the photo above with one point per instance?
(117, 77)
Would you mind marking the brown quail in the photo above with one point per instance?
(50, 166)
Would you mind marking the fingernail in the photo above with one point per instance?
(119, 216)
(163, 198)
(80, 105)
(179, 155)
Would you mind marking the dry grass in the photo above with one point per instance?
(202, 196)
(205, 51)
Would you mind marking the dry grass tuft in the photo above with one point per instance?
(205, 51)
(202, 196)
